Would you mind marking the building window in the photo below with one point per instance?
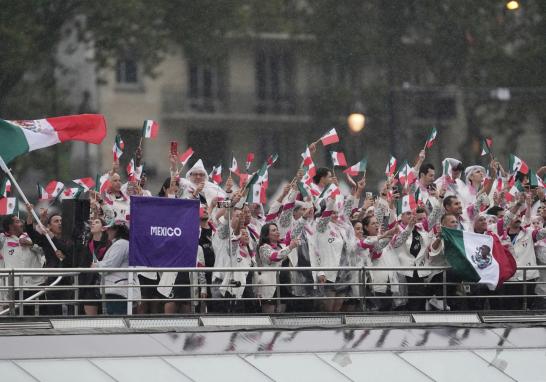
(275, 80)
(126, 71)
(206, 87)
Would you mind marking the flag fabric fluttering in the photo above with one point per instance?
(357, 168)
(431, 138)
(118, 148)
(391, 167)
(249, 160)
(150, 129)
(255, 184)
(330, 137)
(85, 183)
(517, 165)
(5, 187)
(338, 158)
(185, 156)
(8, 206)
(514, 190)
(23, 136)
(54, 189)
(406, 175)
(478, 258)
(272, 159)
(486, 146)
(407, 204)
(234, 168)
(71, 193)
(102, 183)
(216, 174)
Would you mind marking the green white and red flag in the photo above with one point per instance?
(487, 143)
(118, 148)
(42, 194)
(272, 159)
(307, 159)
(408, 204)
(249, 160)
(5, 187)
(85, 183)
(357, 168)
(478, 258)
(8, 206)
(234, 168)
(330, 137)
(150, 129)
(516, 164)
(23, 136)
(431, 138)
(185, 156)
(447, 171)
(338, 158)
(514, 190)
(391, 167)
(406, 176)
(71, 193)
(255, 184)
(54, 189)
(102, 183)
(216, 174)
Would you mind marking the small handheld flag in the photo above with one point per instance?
(249, 160)
(431, 138)
(118, 148)
(330, 137)
(185, 156)
(150, 129)
(338, 158)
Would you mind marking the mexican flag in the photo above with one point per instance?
(516, 188)
(119, 145)
(42, 194)
(391, 167)
(249, 160)
(102, 183)
(406, 176)
(21, 137)
(447, 172)
(357, 168)
(150, 129)
(234, 168)
(431, 138)
(216, 174)
(338, 158)
(478, 258)
(8, 206)
(54, 189)
(5, 187)
(515, 164)
(272, 159)
(85, 183)
(71, 193)
(255, 184)
(185, 156)
(407, 204)
(329, 138)
(302, 188)
(486, 146)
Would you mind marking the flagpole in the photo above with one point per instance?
(8, 172)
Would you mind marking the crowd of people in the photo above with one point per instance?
(312, 223)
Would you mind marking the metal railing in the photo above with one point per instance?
(360, 290)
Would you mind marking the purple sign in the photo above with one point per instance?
(164, 232)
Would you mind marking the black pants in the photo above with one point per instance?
(414, 290)
(516, 303)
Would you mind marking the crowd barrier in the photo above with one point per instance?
(13, 301)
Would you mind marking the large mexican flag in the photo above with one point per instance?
(21, 137)
(478, 258)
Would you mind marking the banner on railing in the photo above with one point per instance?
(164, 232)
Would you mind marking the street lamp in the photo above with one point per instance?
(356, 122)
(512, 5)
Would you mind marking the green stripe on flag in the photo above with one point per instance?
(12, 141)
(456, 256)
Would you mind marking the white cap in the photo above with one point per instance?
(197, 167)
(472, 169)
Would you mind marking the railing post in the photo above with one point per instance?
(130, 291)
(21, 296)
(278, 287)
(11, 292)
(525, 289)
(194, 289)
(76, 296)
(444, 288)
(102, 294)
(362, 288)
